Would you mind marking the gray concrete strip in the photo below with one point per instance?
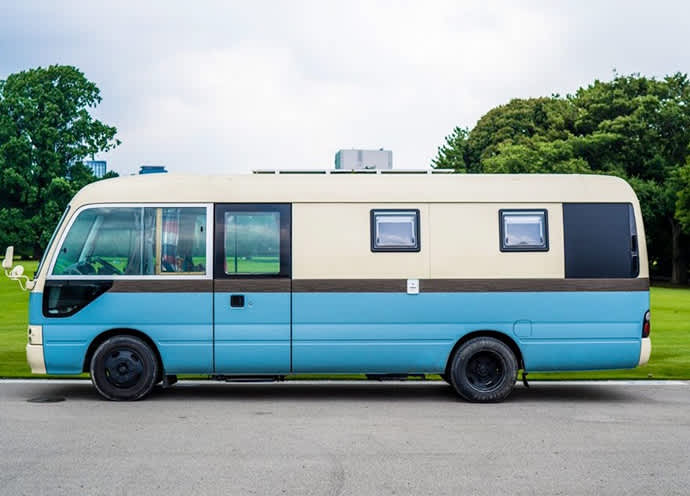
(346, 438)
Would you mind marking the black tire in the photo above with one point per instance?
(484, 370)
(124, 368)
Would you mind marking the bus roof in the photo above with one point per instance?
(357, 188)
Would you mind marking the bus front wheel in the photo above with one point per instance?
(124, 368)
(484, 370)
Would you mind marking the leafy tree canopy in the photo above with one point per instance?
(633, 127)
(46, 131)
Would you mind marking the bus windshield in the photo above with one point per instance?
(50, 243)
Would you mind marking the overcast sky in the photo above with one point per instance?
(227, 87)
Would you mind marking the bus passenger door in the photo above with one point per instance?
(252, 283)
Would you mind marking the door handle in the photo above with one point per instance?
(237, 301)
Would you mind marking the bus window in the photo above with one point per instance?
(600, 240)
(134, 241)
(182, 232)
(523, 230)
(52, 238)
(394, 230)
(102, 241)
(252, 242)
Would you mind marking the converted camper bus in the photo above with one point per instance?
(472, 277)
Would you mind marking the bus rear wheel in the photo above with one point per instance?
(124, 368)
(484, 370)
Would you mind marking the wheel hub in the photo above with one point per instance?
(123, 368)
(485, 371)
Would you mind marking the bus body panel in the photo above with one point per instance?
(354, 332)
(254, 338)
(397, 332)
(180, 325)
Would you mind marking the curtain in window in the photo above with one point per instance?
(169, 241)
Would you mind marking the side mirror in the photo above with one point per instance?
(9, 255)
(17, 272)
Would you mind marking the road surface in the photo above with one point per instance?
(346, 438)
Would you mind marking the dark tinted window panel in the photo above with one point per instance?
(65, 298)
(600, 240)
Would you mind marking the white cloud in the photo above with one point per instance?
(230, 87)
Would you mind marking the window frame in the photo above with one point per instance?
(392, 249)
(285, 210)
(531, 248)
(171, 276)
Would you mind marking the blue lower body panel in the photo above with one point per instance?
(276, 333)
(254, 338)
(180, 325)
(553, 355)
(397, 332)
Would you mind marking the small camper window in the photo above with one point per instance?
(523, 230)
(394, 230)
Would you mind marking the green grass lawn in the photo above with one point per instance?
(252, 265)
(670, 336)
(13, 325)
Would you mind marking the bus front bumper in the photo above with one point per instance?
(34, 355)
(645, 351)
(34, 350)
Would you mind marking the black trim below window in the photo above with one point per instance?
(375, 247)
(285, 211)
(522, 211)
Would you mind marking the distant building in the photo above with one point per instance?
(98, 167)
(364, 159)
(152, 169)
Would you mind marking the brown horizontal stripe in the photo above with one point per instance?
(258, 285)
(467, 285)
(162, 286)
(349, 285)
(280, 285)
(491, 285)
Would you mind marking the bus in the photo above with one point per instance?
(266, 275)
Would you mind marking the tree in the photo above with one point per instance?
(452, 155)
(683, 201)
(634, 127)
(46, 132)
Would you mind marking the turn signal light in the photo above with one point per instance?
(35, 334)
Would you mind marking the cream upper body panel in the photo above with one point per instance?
(458, 217)
(466, 243)
(642, 244)
(356, 188)
(333, 241)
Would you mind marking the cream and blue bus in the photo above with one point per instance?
(473, 277)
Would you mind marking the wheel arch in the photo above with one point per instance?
(102, 337)
(501, 336)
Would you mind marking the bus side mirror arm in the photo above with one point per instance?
(16, 273)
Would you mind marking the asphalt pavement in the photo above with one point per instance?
(345, 438)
